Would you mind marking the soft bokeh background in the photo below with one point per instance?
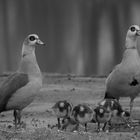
(84, 37)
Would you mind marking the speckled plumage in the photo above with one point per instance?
(62, 110)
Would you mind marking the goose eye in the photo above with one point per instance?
(132, 29)
(32, 38)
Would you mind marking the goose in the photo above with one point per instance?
(124, 80)
(19, 89)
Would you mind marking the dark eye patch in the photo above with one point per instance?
(32, 38)
(132, 29)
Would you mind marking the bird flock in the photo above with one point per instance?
(84, 113)
(123, 81)
(19, 89)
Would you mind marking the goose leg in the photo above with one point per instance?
(104, 126)
(85, 127)
(131, 106)
(17, 117)
(59, 125)
(98, 129)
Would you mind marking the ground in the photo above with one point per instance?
(76, 89)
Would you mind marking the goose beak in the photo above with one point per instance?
(138, 33)
(39, 42)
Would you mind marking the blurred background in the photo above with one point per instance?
(83, 37)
